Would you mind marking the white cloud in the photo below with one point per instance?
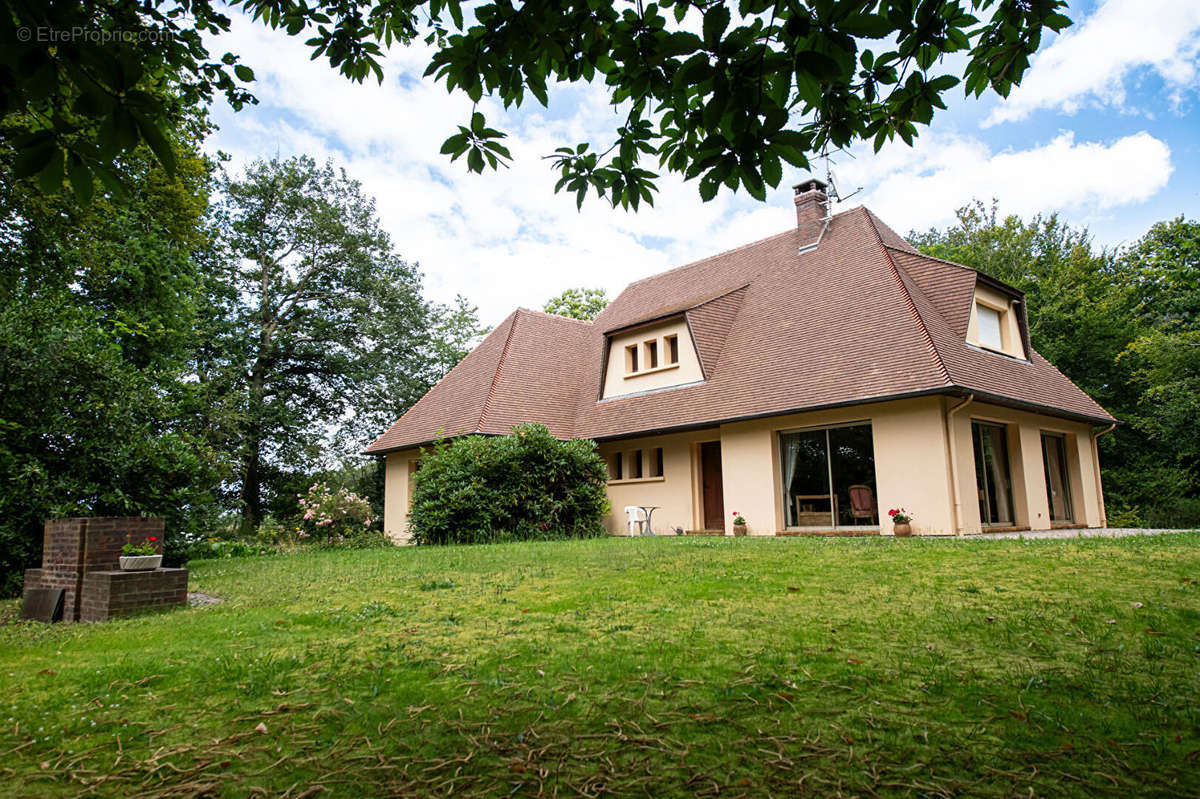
(915, 188)
(503, 239)
(1092, 61)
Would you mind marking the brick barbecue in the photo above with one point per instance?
(82, 557)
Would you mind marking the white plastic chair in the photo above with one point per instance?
(637, 519)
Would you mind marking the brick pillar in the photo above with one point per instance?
(71, 547)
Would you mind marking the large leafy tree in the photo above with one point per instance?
(1164, 270)
(320, 336)
(725, 93)
(578, 303)
(97, 312)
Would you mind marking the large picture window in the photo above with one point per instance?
(829, 477)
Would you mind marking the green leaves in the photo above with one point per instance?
(704, 105)
(716, 20)
(480, 143)
(523, 486)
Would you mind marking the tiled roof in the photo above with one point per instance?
(861, 317)
(528, 369)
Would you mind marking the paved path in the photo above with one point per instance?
(1090, 532)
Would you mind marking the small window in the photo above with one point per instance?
(635, 464)
(989, 322)
(631, 358)
(656, 462)
(614, 466)
(672, 344)
(652, 354)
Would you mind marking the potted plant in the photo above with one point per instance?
(739, 524)
(901, 522)
(142, 555)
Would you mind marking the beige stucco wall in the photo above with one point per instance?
(1030, 503)
(912, 469)
(674, 492)
(396, 494)
(910, 463)
(617, 383)
(1010, 333)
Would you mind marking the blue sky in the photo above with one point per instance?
(1102, 131)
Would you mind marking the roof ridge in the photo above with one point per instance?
(487, 403)
(912, 307)
(554, 316)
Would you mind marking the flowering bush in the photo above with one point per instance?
(333, 516)
(900, 516)
(738, 518)
(146, 547)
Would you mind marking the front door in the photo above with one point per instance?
(712, 490)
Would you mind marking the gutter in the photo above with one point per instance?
(1096, 465)
(952, 452)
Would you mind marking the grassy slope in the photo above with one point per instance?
(634, 667)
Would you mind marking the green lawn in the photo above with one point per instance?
(663, 667)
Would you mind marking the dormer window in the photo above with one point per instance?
(650, 357)
(991, 330)
(995, 324)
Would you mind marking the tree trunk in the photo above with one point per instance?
(251, 494)
(251, 488)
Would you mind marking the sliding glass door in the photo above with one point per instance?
(829, 477)
(1058, 481)
(992, 474)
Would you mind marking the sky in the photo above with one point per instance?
(1103, 131)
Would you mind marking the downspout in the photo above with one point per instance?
(951, 442)
(1096, 466)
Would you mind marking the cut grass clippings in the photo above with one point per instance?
(631, 667)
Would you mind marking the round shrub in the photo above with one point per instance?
(519, 487)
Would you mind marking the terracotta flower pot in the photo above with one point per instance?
(140, 562)
(902, 529)
(739, 529)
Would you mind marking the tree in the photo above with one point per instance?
(97, 312)
(1164, 270)
(321, 333)
(718, 92)
(578, 303)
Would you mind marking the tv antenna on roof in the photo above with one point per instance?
(832, 191)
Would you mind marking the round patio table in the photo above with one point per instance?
(649, 510)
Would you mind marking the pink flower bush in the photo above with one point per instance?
(333, 515)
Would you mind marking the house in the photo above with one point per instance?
(811, 381)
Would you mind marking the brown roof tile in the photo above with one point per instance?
(861, 317)
(710, 322)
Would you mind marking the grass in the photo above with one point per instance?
(785, 667)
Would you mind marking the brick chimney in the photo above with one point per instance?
(812, 206)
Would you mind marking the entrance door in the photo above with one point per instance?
(992, 473)
(712, 498)
(1058, 483)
